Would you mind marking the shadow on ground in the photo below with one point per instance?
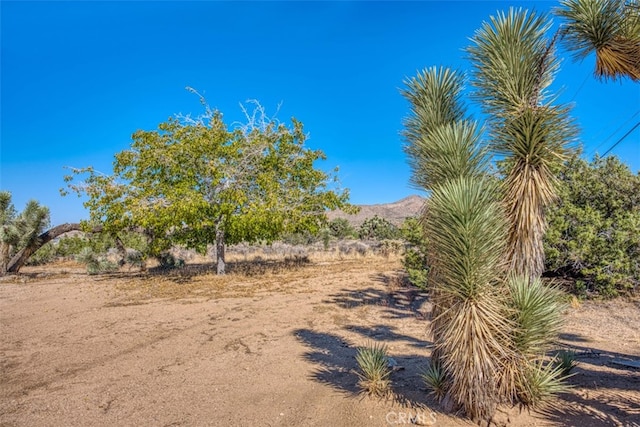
(399, 299)
(336, 363)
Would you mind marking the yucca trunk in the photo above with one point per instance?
(527, 193)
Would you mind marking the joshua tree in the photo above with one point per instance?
(492, 319)
(513, 66)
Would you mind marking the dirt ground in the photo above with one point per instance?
(269, 345)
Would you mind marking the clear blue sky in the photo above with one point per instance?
(78, 78)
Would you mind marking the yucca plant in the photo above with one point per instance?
(566, 361)
(536, 314)
(374, 370)
(435, 99)
(435, 378)
(610, 28)
(492, 318)
(513, 66)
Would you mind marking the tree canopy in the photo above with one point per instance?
(196, 181)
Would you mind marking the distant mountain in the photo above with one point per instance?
(395, 212)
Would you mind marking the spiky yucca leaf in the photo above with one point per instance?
(540, 383)
(537, 314)
(466, 229)
(435, 378)
(450, 151)
(566, 360)
(610, 28)
(536, 141)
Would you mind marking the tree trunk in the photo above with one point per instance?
(5, 249)
(23, 255)
(220, 250)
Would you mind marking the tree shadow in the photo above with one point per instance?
(603, 393)
(399, 299)
(572, 337)
(337, 368)
(388, 333)
(594, 356)
(580, 409)
(335, 359)
(187, 272)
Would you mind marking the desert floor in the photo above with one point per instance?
(271, 344)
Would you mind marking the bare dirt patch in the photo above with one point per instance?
(269, 347)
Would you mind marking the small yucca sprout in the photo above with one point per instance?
(435, 379)
(374, 370)
(566, 360)
(542, 382)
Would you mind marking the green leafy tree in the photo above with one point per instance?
(196, 182)
(610, 28)
(594, 227)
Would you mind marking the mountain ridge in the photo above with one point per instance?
(394, 212)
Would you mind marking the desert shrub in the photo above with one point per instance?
(70, 246)
(374, 371)
(377, 228)
(95, 263)
(415, 260)
(135, 258)
(168, 261)
(300, 238)
(340, 228)
(593, 228)
(325, 236)
(46, 254)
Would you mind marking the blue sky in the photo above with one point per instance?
(78, 78)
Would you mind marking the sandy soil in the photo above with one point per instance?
(271, 345)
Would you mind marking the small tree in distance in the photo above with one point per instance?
(195, 182)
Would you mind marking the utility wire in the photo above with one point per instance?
(613, 133)
(621, 139)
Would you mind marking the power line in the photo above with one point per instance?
(613, 133)
(621, 139)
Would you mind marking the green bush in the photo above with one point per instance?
(594, 228)
(95, 263)
(340, 228)
(415, 260)
(377, 228)
(44, 255)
